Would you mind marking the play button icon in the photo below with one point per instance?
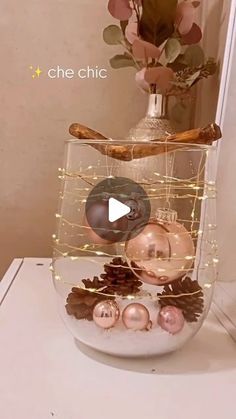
(116, 210)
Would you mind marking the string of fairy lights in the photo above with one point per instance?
(163, 187)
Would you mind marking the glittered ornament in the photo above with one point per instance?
(106, 314)
(101, 230)
(163, 250)
(171, 319)
(136, 317)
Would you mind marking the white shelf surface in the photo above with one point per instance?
(45, 374)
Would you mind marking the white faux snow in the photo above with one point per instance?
(128, 343)
(119, 341)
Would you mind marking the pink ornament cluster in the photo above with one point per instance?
(136, 317)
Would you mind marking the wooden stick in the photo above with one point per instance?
(129, 152)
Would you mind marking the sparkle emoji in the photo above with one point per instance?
(37, 72)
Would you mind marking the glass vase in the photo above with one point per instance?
(146, 294)
(155, 124)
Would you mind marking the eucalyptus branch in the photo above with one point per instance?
(164, 28)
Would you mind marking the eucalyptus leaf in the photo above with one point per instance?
(122, 61)
(157, 21)
(172, 49)
(193, 37)
(185, 17)
(178, 64)
(194, 56)
(112, 35)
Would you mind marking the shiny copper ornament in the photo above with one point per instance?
(106, 314)
(136, 317)
(164, 250)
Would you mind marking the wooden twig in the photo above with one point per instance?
(136, 151)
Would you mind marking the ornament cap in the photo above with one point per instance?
(166, 215)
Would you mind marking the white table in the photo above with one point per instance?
(45, 374)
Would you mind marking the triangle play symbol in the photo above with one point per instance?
(116, 210)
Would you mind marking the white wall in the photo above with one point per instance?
(35, 114)
(226, 183)
(214, 19)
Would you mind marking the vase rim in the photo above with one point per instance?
(120, 142)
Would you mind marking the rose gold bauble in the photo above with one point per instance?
(106, 314)
(163, 251)
(171, 319)
(136, 317)
(92, 236)
(100, 230)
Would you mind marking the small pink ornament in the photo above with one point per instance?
(171, 319)
(106, 314)
(136, 317)
(163, 250)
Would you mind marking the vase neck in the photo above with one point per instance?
(156, 106)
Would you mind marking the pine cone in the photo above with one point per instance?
(119, 278)
(81, 302)
(191, 305)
